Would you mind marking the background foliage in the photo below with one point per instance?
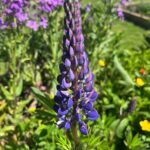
(29, 68)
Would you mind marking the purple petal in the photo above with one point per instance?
(62, 68)
(73, 41)
(82, 103)
(71, 51)
(83, 128)
(90, 77)
(65, 85)
(81, 60)
(71, 75)
(62, 112)
(88, 106)
(55, 108)
(92, 115)
(80, 38)
(64, 93)
(93, 96)
(86, 68)
(70, 103)
(32, 24)
(60, 124)
(80, 47)
(70, 33)
(81, 75)
(57, 99)
(75, 61)
(67, 43)
(88, 87)
(79, 94)
(77, 117)
(67, 125)
(67, 62)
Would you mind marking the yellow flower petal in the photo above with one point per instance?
(139, 82)
(145, 125)
(102, 63)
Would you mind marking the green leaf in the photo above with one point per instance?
(19, 87)
(136, 142)
(6, 93)
(43, 98)
(133, 143)
(2, 117)
(121, 127)
(3, 67)
(64, 143)
(147, 90)
(129, 138)
(2, 105)
(122, 71)
(114, 124)
(94, 141)
(45, 114)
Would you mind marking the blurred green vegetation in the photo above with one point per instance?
(132, 37)
(28, 72)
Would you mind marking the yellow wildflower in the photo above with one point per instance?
(145, 125)
(102, 63)
(139, 82)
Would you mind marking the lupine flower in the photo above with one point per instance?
(75, 96)
(22, 12)
(88, 8)
(131, 106)
(145, 125)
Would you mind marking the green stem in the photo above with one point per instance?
(75, 134)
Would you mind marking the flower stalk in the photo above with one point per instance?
(75, 90)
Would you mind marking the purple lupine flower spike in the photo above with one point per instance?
(75, 96)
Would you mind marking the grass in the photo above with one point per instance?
(131, 36)
(84, 2)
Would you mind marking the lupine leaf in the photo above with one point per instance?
(19, 87)
(122, 71)
(43, 98)
(64, 143)
(121, 127)
(45, 114)
(6, 93)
